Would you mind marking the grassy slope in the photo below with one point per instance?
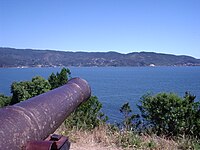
(102, 138)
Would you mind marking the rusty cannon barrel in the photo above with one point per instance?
(37, 117)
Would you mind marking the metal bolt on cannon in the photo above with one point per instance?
(29, 124)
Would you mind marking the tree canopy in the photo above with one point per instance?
(171, 115)
(27, 89)
(4, 100)
(60, 78)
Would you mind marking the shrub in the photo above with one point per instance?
(130, 120)
(60, 78)
(26, 89)
(87, 115)
(128, 139)
(171, 115)
(4, 100)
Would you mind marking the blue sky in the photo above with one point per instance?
(165, 26)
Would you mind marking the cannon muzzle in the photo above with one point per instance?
(38, 117)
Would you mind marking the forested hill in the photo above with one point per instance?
(10, 57)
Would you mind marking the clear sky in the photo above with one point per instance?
(166, 26)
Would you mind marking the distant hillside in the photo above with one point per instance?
(10, 57)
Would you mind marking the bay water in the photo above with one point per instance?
(116, 85)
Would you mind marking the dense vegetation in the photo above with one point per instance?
(163, 114)
(4, 100)
(11, 57)
(170, 115)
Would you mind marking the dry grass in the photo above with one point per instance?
(103, 138)
(158, 143)
(96, 139)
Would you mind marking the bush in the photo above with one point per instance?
(130, 121)
(60, 78)
(128, 139)
(4, 100)
(87, 115)
(26, 89)
(171, 115)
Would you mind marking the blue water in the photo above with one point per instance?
(116, 85)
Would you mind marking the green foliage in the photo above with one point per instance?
(129, 139)
(87, 115)
(27, 89)
(188, 143)
(60, 78)
(130, 121)
(53, 81)
(19, 91)
(171, 115)
(151, 144)
(39, 85)
(4, 100)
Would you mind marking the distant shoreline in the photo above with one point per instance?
(25, 58)
(94, 67)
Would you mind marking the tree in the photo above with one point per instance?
(60, 78)
(87, 115)
(39, 85)
(53, 81)
(19, 91)
(130, 121)
(63, 76)
(171, 115)
(4, 100)
(26, 89)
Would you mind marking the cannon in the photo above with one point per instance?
(38, 117)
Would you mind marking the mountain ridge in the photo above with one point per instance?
(12, 57)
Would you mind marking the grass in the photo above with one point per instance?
(110, 138)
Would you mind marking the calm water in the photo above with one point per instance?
(117, 85)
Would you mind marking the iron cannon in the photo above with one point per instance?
(38, 117)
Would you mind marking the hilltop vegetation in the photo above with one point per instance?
(11, 57)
